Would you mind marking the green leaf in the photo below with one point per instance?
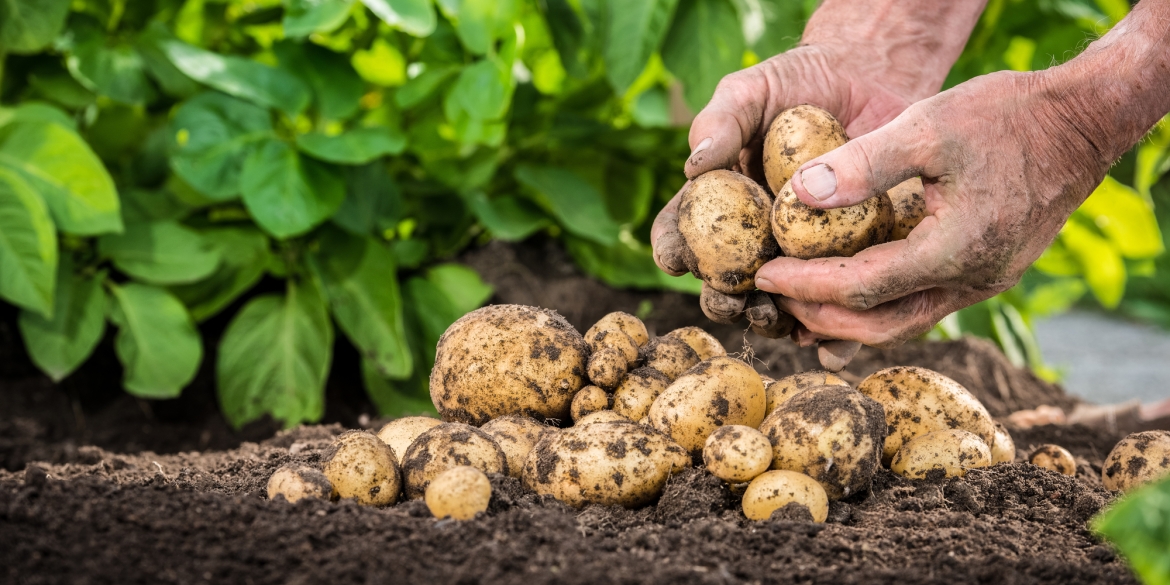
(1125, 218)
(576, 204)
(382, 64)
(389, 399)
(507, 218)
(160, 252)
(1100, 261)
(287, 193)
(1053, 298)
(461, 285)
(479, 22)
(305, 17)
(274, 357)
(60, 166)
(635, 30)
(482, 91)
(28, 246)
(26, 26)
(243, 78)
(114, 70)
(337, 88)
(773, 26)
(60, 88)
(372, 203)
(420, 88)
(629, 189)
(37, 112)
(211, 136)
(627, 264)
(157, 343)
(415, 17)
(1138, 525)
(142, 205)
(705, 43)
(353, 147)
(172, 81)
(244, 255)
(59, 345)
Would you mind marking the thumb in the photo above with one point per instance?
(729, 121)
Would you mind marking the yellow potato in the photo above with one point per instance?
(1003, 448)
(614, 339)
(796, 136)
(719, 391)
(780, 390)
(460, 493)
(619, 321)
(909, 201)
(588, 401)
(602, 416)
(735, 453)
(1054, 458)
(637, 392)
(516, 435)
(607, 367)
(1137, 459)
(361, 466)
(296, 482)
(948, 453)
(445, 446)
(669, 355)
(773, 490)
(401, 432)
(704, 344)
(808, 232)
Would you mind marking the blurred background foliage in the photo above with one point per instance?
(312, 166)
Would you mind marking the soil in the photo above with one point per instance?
(96, 487)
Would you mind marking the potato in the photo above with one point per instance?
(619, 321)
(637, 392)
(607, 367)
(296, 482)
(919, 401)
(1137, 459)
(796, 136)
(833, 434)
(669, 355)
(773, 490)
(719, 391)
(605, 463)
(704, 344)
(909, 201)
(401, 432)
(361, 466)
(949, 453)
(735, 453)
(602, 416)
(1053, 458)
(807, 232)
(516, 435)
(617, 340)
(723, 220)
(1003, 448)
(588, 401)
(445, 446)
(508, 359)
(460, 493)
(780, 390)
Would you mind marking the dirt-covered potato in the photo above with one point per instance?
(401, 432)
(445, 446)
(360, 466)
(777, 391)
(1137, 459)
(947, 453)
(807, 232)
(607, 367)
(704, 344)
(508, 359)
(460, 493)
(619, 321)
(833, 434)
(735, 453)
(796, 136)
(637, 392)
(773, 490)
(919, 401)
(1053, 458)
(719, 391)
(909, 201)
(669, 355)
(516, 435)
(605, 463)
(589, 400)
(723, 219)
(1003, 448)
(602, 416)
(295, 482)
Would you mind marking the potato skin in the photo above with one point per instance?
(704, 344)
(796, 136)
(589, 400)
(607, 367)
(508, 359)
(719, 391)
(1003, 448)
(777, 391)
(460, 493)
(1138, 459)
(807, 232)
(401, 432)
(296, 482)
(773, 490)
(723, 218)
(948, 453)
(919, 401)
(833, 434)
(605, 463)
(445, 446)
(516, 435)
(620, 321)
(602, 416)
(637, 392)
(361, 466)
(909, 201)
(1054, 458)
(669, 355)
(735, 453)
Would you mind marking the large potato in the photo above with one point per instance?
(401, 432)
(723, 219)
(508, 359)
(719, 391)
(735, 453)
(516, 435)
(619, 321)
(919, 401)
(833, 434)
(795, 137)
(1137, 459)
(808, 232)
(296, 482)
(909, 201)
(775, 489)
(605, 463)
(704, 344)
(445, 446)
(637, 392)
(669, 355)
(948, 453)
(777, 391)
(361, 466)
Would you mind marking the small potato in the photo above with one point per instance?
(773, 490)
(588, 401)
(361, 466)
(669, 355)
(948, 453)
(735, 453)
(787, 387)
(796, 136)
(605, 463)
(296, 482)
(516, 435)
(617, 340)
(1003, 448)
(602, 416)
(401, 432)
(637, 392)
(460, 493)
(719, 391)
(909, 201)
(607, 367)
(619, 321)
(1137, 459)
(704, 344)
(807, 232)
(445, 446)
(1053, 458)
(919, 401)
(833, 434)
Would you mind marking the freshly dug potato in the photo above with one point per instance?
(460, 493)
(807, 232)
(723, 219)
(704, 344)
(401, 432)
(909, 201)
(1053, 458)
(919, 401)
(773, 490)
(605, 463)
(948, 453)
(1137, 459)
(833, 434)
(795, 137)
(735, 453)
(637, 392)
(445, 446)
(669, 355)
(361, 466)
(719, 391)
(508, 359)
(588, 401)
(780, 390)
(602, 416)
(619, 321)
(1003, 448)
(296, 482)
(516, 435)
(607, 367)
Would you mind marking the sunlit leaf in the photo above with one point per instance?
(211, 135)
(243, 78)
(634, 30)
(160, 252)
(305, 17)
(353, 147)
(416, 17)
(28, 246)
(1125, 218)
(157, 343)
(1100, 261)
(289, 194)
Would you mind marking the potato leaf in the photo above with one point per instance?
(28, 246)
(161, 252)
(244, 256)
(634, 31)
(577, 205)
(1139, 526)
(353, 147)
(416, 17)
(289, 194)
(211, 135)
(113, 70)
(390, 399)
(157, 343)
(243, 78)
(26, 26)
(59, 345)
(337, 88)
(373, 201)
(705, 43)
(305, 17)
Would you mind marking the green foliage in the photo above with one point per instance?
(1139, 526)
